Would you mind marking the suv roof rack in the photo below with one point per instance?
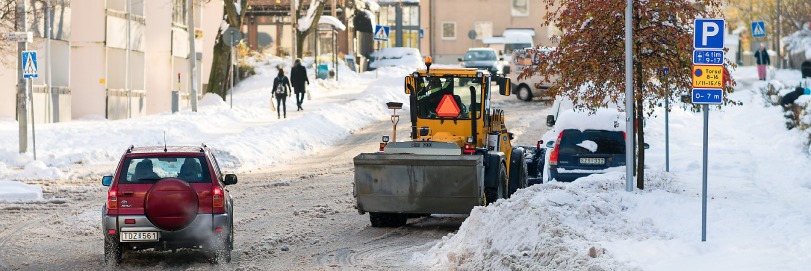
(203, 147)
(129, 150)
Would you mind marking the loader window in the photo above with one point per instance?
(430, 93)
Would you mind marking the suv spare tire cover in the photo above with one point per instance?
(171, 204)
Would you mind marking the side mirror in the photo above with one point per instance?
(550, 120)
(646, 146)
(107, 180)
(512, 136)
(504, 86)
(409, 84)
(230, 179)
(550, 144)
(460, 59)
(501, 58)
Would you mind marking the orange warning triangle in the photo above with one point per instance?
(447, 108)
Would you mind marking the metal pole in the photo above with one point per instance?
(706, 109)
(629, 103)
(667, 133)
(231, 66)
(127, 65)
(48, 55)
(779, 57)
(22, 93)
(192, 55)
(33, 120)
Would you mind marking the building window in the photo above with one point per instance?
(520, 8)
(448, 30)
(483, 29)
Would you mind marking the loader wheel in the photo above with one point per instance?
(492, 194)
(386, 220)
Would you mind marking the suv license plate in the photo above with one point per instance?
(592, 161)
(139, 236)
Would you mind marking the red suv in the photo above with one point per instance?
(166, 198)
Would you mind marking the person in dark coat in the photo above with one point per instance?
(298, 76)
(762, 60)
(281, 88)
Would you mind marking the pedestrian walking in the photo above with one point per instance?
(281, 88)
(762, 60)
(298, 76)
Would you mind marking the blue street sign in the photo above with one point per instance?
(706, 96)
(29, 64)
(708, 57)
(758, 29)
(709, 34)
(381, 33)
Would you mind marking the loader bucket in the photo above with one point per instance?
(418, 184)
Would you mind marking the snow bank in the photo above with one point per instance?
(19, 192)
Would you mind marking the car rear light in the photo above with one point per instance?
(382, 146)
(112, 198)
(129, 221)
(218, 230)
(217, 198)
(469, 149)
(623, 136)
(553, 157)
(111, 231)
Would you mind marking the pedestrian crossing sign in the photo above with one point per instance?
(381, 33)
(758, 29)
(30, 64)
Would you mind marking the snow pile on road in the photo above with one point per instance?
(19, 192)
(556, 226)
(757, 211)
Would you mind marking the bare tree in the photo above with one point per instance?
(218, 78)
(312, 16)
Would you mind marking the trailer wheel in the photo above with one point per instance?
(518, 171)
(492, 194)
(386, 220)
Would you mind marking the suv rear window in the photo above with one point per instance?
(150, 170)
(592, 142)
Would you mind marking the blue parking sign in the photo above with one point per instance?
(709, 34)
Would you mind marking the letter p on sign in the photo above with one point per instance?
(709, 34)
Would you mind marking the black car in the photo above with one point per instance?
(579, 153)
(482, 59)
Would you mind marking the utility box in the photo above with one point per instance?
(175, 101)
(322, 71)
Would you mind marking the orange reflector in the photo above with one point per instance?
(111, 231)
(428, 60)
(382, 146)
(447, 108)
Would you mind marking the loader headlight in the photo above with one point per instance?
(385, 139)
(470, 140)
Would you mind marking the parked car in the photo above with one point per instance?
(535, 86)
(396, 56)
(166, 198)
(483, 59)
(586, 144)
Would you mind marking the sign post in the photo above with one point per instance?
(381, 34)
(29, 59)
(708, 84)
(758, 29)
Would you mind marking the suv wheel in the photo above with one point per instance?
(113, 250)
(524, 93)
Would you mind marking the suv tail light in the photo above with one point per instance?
(469, 149)
(112, 198)
(553, 157)
(218, 197)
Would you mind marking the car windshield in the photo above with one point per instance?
(592, 142)
(480, 55)
(448, 97)
(150, 170)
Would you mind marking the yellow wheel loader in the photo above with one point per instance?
(459, 154)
